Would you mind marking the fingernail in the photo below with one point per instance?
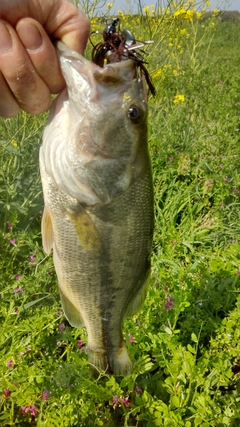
(29, 35)
(5, 39)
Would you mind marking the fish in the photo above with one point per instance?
(98, 201)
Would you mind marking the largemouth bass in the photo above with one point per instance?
(98, 196)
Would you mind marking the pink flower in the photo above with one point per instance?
(21, 354)
(9, 225)
(226, 179)
(12, 241)
(238, 272)
(116, 400)
(169, 304)
(18, 277)
(61, 327)
(32, 258)
(80, 343)
(45, 395)
(6, 392)
(9, 363)
(131, 338)
(138, 390)
(125, 402)
(174, 242)
(33, 411)
(29, 408)
(18, 290)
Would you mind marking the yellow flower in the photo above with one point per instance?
(208, 3)
(179, 12)
(149, 10)
(178, 98)
(183, 31)
(212, 24)
(198, 15)
(215, 12)
(14, 142)
(157, 74)
(121, 13)
(189, 14)
(110, 5)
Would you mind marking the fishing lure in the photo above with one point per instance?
(119, 45)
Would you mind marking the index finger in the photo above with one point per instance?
(70, 25)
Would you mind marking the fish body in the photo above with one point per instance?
(98, 196)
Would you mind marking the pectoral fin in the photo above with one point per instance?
(86, 230)
(47, 231)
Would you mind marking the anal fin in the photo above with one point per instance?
(138, 300)
(72, 314)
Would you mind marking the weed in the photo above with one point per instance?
(184, 343)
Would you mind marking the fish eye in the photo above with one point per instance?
(135, 113)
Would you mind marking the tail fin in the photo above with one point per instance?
(120, 362)
(114, 361)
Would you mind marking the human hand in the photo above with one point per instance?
(29, 68)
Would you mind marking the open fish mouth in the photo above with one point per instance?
(113, 75)
(115, 63)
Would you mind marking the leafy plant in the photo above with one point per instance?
(184, 343)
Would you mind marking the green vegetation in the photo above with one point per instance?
(185, 342)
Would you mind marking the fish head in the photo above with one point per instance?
(111, 101)
(101, 121)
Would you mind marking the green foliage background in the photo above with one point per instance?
(187, 336)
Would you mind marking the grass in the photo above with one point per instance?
(185, 340)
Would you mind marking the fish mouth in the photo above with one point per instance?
(112, 75)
